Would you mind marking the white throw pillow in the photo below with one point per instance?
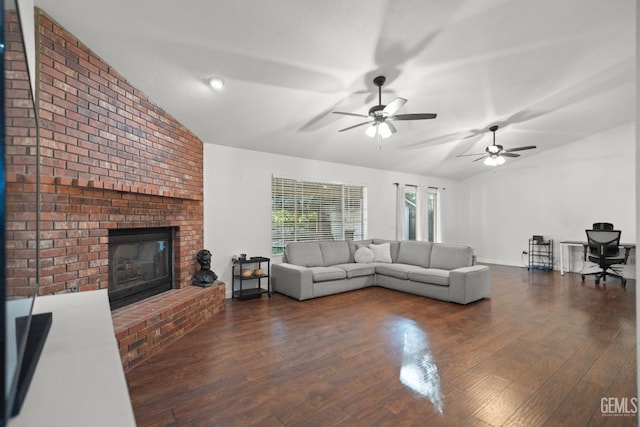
(381, 252)
(363, 255)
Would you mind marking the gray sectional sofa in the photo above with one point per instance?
(435, 270)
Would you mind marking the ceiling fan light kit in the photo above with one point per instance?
(215, 83)
(494, 160)
(384, 130)
(380, 114)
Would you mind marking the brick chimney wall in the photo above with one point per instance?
(20, 164)
(110, 159)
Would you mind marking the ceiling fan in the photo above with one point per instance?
(494, 154)
(380, 115)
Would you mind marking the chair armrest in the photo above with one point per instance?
(468, 284)
(292, 280)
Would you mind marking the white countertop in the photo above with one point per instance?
(79, 379)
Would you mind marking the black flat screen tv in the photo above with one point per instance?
(22, 334)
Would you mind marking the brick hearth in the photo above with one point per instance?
(145, 327)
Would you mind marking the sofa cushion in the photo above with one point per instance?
(304, 254)
(357, 270)
(394, 247)
(449, 257)
(323, 274)
(335, 252)
(354, 245)
(415, 253)
(363, 255)
(434, 276)
(400, 271)
(381, 252)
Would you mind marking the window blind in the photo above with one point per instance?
(305, 210)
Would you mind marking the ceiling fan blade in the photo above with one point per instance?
(469, 155)
(481, 158)
(418, 116)
(349, 114)
(394, 106)
(528, 147)
(355, 126)
(392, 128)
(507, 154)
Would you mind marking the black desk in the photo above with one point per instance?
(627, 250)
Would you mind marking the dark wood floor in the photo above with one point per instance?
(544, 350)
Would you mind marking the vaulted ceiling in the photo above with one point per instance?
(548, 72)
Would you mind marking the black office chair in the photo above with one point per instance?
(602, 226)
(603, 248)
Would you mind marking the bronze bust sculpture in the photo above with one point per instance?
(205, 277)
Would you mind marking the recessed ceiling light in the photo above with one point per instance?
(216, 82)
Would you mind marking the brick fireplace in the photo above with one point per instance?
(110, 160)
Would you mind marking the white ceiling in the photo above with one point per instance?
(549, 72)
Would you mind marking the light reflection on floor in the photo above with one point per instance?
(419, 371)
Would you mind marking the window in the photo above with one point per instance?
(431, 201)
(410, 215)
(428, 219)
(303, 210)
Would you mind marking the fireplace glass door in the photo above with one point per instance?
(140, 264)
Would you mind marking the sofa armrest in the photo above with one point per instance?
(468, 284)
(292, 280)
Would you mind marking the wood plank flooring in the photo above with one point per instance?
(544, 350)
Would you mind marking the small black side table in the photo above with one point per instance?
(254, 263)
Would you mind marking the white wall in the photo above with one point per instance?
(27, 21)
(557, 193)
(237, 199)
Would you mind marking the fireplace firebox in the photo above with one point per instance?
(140, 264)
